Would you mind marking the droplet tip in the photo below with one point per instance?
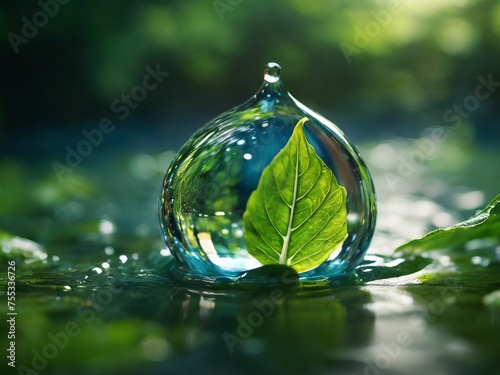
(272, 72)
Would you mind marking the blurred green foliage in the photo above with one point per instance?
(99, 228)
(414, 61)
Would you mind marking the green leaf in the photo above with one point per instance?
(297, 216)
(19, 248)
(485, 224)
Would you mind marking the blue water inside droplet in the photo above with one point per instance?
(208, 184)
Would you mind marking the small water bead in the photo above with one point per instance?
(209, 181)
(272, 72)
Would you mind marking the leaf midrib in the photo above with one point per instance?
(286, 238)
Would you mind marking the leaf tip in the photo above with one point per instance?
(302, 121)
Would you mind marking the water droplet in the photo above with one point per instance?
(272, 72)
(207, 186)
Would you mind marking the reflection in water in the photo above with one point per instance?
(285, 332)
(164, 329)
(103, 267)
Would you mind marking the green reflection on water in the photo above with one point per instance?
(94, 281)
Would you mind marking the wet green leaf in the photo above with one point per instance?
(380, 268)
(485, 224)
(20, 249)
(297, 215)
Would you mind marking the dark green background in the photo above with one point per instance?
(427, 58)
(421, 59)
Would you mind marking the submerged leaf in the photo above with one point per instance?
(485, 224)
(297, 216)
